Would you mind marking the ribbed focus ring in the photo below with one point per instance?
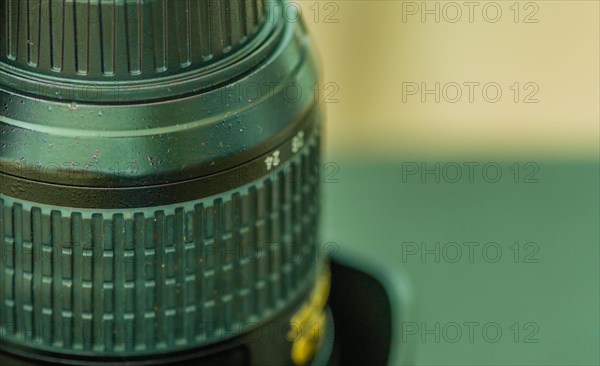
(119, 40)
(141, 281)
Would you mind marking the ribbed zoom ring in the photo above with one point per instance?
(116, 40)
(167, 278)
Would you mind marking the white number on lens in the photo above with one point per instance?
(272, 160)
(298, 142)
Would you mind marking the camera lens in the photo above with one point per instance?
(159, 184)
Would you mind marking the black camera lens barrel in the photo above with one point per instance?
(159, 176)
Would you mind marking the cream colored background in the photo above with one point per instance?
(370, 52)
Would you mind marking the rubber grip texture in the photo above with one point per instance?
(163, 278)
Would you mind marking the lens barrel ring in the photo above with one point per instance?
(113, 42)
(120, 281)
(133, 50)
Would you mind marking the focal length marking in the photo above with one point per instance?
(273, 160)
(157, 195)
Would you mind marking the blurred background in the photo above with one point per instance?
(463, 155)
(370, 48)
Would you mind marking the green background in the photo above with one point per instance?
(370, 212)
